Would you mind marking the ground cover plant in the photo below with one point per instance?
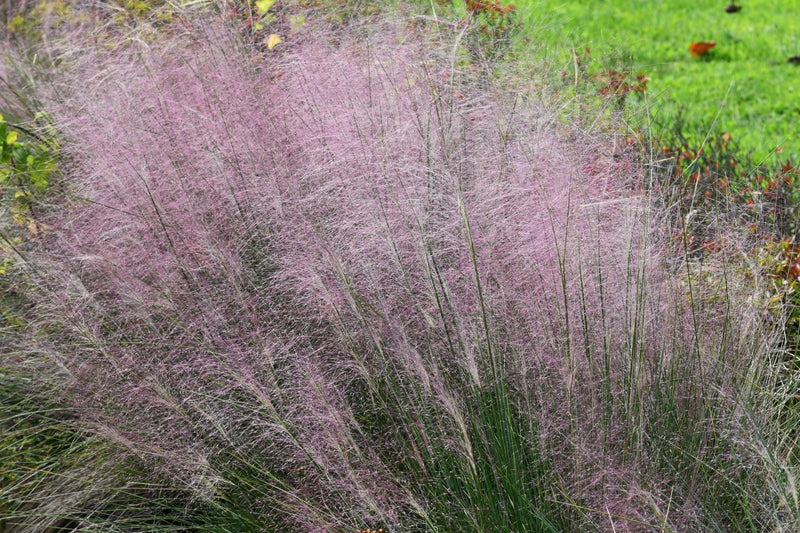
(353, 280)
(745, 85)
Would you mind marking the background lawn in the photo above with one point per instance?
(745, 85)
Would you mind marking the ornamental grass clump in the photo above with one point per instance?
(349, 286)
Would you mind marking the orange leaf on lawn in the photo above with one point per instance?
(701, 48)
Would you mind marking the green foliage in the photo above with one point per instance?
(27, 161)
(31, 437)
(262, 16)
(780, 261)
(716, 177)
(27, 165)
(492, 32)
(48, 15)
(32, 24)
(131, 12)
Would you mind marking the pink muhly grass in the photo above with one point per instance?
(298, 283)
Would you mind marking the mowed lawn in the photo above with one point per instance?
(746, 85)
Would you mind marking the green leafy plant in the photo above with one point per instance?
(27, 161)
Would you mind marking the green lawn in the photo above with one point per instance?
(745, 85)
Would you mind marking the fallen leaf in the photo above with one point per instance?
(262, 6)
(701, 48)
(273, 40)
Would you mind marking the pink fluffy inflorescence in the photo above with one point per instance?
(251, 252)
